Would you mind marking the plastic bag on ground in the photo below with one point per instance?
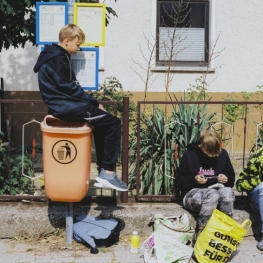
(220, 238)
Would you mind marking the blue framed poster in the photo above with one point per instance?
(50, 18)
(85, 64)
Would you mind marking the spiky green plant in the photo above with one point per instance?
(157, 162)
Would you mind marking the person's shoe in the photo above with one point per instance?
(260, 244)
(99, 185)
(111, 181)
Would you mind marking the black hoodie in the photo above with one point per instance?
(60, 90)
(195, 161)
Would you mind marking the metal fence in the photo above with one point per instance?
(21, 165)
(238, 122)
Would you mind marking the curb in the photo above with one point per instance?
(34, 219)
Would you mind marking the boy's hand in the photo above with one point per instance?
(221, 178)
(101, 107)
(200, 179)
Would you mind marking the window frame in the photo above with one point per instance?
(205, 63)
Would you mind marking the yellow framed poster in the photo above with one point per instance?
(91, 18)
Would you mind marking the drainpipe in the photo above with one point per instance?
(69, 205)
(70, 11)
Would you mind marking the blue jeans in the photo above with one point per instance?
(256, 202)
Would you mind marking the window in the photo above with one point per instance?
(182, 32)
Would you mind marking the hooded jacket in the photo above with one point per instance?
(194, 161)
(252, 174)
(60, 90)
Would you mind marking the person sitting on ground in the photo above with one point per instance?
(250, 181)
(66, 100)
(205, 177)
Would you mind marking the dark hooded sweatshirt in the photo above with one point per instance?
(60, 90)
(194, 161)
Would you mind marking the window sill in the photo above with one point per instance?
(183, 69)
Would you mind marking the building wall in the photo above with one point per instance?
(238, 68)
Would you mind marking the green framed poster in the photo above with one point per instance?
(91, 17)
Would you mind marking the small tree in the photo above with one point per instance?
(146, 73)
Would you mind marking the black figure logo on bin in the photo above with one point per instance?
(64, 152)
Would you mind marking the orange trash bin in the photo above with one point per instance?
(66, 159)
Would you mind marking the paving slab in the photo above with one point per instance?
(29, 220)
(29, 253)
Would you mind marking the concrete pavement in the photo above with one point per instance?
(26, 221)
(16, 252)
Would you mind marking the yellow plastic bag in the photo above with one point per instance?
(220, 238)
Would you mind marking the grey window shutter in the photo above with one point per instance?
(188, 44)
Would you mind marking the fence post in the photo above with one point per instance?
(125, 146)
(2, 117)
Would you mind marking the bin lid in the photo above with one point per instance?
(55, 125)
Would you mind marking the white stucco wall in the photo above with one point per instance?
(238, 22)
(16, 67)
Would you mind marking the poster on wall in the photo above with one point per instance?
(85, 64)
(91, 19)
(50, 18)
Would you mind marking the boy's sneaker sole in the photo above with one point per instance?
(100, 185)
(107, 184)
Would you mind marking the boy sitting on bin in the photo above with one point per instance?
(67, 101)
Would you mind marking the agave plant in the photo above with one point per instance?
(161, 137)
(192, 119)
(152, 154)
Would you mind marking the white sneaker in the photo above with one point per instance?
(99, 185)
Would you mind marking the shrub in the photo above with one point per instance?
(11, 179)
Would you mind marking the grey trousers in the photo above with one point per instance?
(203, 201)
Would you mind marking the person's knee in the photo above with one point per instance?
(260, 188)
(115, 121)
(227, 194)
(212, 196)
